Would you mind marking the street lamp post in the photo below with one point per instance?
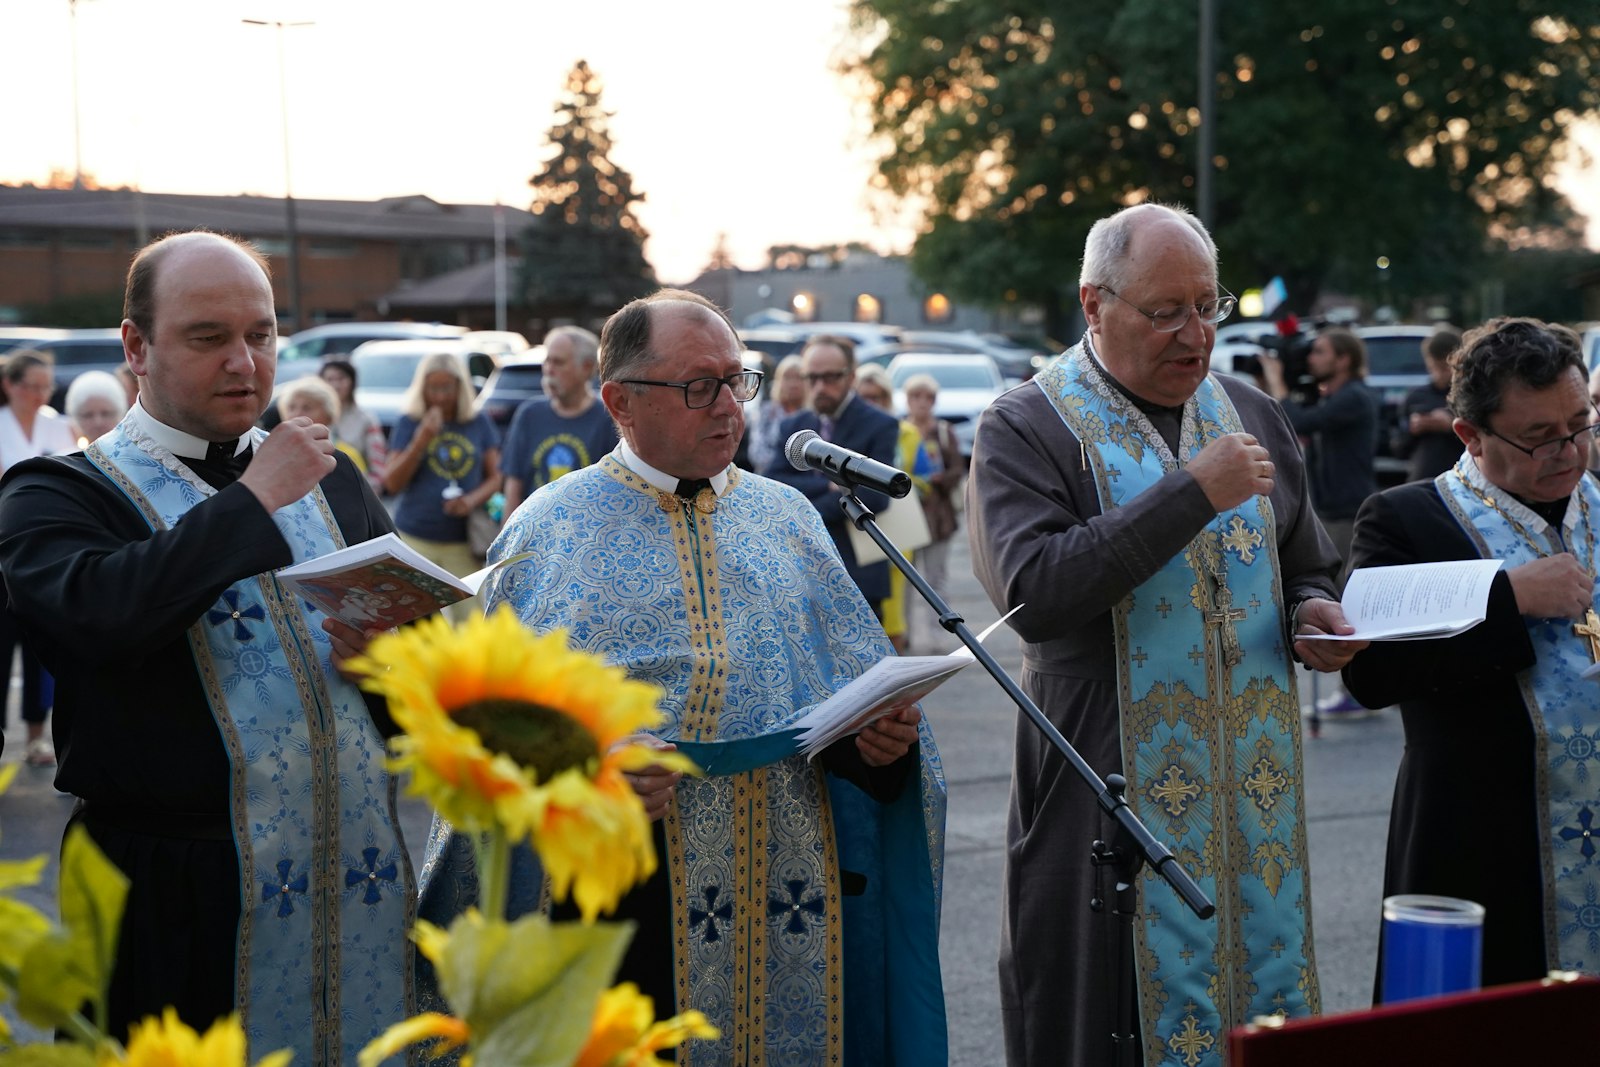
(77, 122)
(1205, 150)
(291, 229)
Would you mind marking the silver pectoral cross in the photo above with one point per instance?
(1223, 615)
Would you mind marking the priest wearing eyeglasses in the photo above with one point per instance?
(796, 903)
(1498, 795)
(1152, 522)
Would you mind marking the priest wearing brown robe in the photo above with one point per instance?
(1154, 521)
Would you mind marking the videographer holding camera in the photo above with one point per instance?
(1340, 430)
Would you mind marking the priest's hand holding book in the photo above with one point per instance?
(885, 740)
(1322, 616)
(348, 643)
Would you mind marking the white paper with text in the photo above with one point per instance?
(1415, 601)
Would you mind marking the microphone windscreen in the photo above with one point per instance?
(795, 450)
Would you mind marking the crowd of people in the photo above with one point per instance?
(1171, 542)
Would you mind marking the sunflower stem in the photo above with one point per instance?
(494, 873)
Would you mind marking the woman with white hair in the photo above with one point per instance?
(444, 463)
(95, 403)
(316, 400)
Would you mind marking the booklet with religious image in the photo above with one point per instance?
(1415, 601)
(889, 683)
(378, 584)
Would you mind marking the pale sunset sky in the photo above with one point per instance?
(728, 113)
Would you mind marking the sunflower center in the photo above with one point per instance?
(541, 739)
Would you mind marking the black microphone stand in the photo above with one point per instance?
(1132, 844)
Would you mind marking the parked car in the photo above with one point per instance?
(334, 339)
(1252, 331)
(384, 370)
(779, 340)
(967, 385)
(497, 343)
(76, 351)
(1394, 368)
(27, 337)
(1017, 363)
(517, 379)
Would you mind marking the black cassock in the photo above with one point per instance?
(1465, 821)
(109, 605)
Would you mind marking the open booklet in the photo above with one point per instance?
(887, 684)
(1415, 601)
(379, 583)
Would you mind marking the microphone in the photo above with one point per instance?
(807, 451)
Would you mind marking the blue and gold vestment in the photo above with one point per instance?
(743, 614)
(1210, 726)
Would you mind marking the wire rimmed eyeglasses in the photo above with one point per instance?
(703, 392)
(1552, 448)
(1173, 319)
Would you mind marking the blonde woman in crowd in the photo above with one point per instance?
(873, 386)
(788, 397)
(444, 462)
(942, 469)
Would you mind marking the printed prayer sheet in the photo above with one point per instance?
(1415, 601)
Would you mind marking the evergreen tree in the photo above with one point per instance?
(583, 254)
(1345, 131)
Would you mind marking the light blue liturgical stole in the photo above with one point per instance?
(739, 608)
(1210, 737)
(1563, 706)
(323, 963)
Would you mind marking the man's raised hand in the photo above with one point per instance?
(290, 462)
(1232, 469)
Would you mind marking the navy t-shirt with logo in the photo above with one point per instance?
(455, 455)
(541, 445)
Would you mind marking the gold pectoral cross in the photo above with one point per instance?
(1589, 630)
(1223, 615)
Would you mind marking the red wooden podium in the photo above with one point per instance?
(1552, 1021)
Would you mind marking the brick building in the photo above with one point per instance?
(57, 244)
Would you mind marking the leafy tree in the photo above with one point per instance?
(583, 254)
(1419, 130)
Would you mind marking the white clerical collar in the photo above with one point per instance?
(660, 480)
(174, 440)
(1510, 505)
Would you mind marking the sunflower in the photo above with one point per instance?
(625, 1034)
(510, 731)
(522, 991)
(168, 1042)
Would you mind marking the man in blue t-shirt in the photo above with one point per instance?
(567, 429)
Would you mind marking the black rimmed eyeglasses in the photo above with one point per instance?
(1552, 448)
(1173, 319)
(703, 392)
